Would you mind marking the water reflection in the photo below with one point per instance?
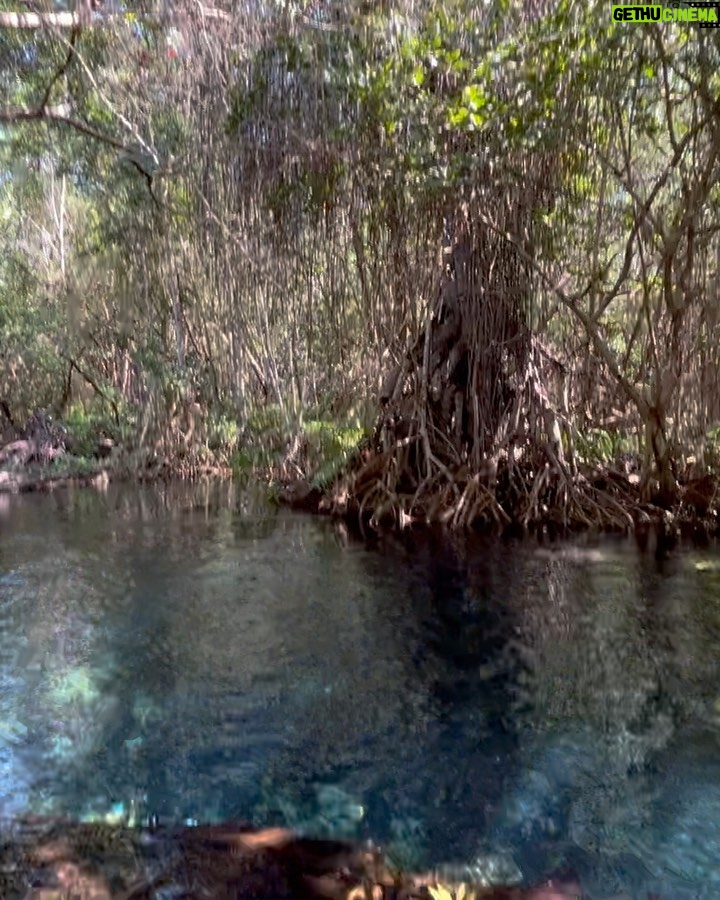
(188, 653)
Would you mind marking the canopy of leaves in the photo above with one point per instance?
(249, 207)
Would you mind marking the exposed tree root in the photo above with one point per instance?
(476, 428)
(531, 497)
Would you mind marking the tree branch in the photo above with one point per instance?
(572, 303)
(63, 68)
(58, 115)
(33, 21)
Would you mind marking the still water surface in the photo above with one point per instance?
(187, 653)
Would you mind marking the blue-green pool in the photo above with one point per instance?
(189, 653)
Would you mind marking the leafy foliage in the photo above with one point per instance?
(242, 215)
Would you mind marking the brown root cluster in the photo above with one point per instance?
(385, 491)
(532, 489)
(475, 427)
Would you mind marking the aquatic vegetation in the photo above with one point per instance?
(333, 812)
(70, 713)
(338, 814)
(131, 811)
(146, 711)
(74, 686)
(407, 847)
(12, 731)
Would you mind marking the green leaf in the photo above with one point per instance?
(459, 116)
(474, 97)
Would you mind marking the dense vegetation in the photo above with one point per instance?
(485, 236)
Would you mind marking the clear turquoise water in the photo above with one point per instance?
(187, 653)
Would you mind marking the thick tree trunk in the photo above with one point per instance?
(658, 451)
